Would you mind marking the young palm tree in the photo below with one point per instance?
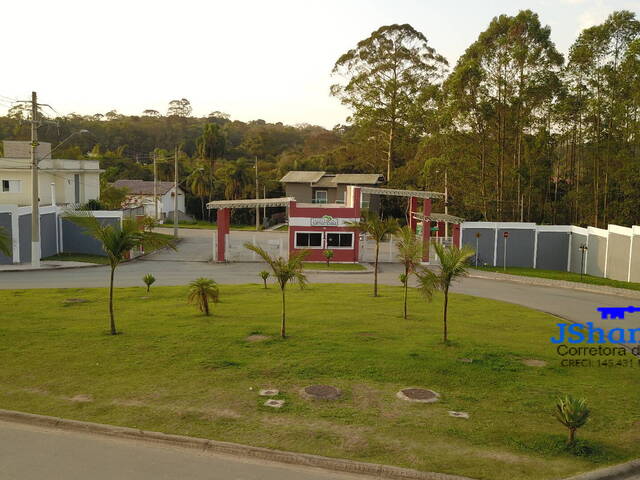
(264, 275)
(452, 266)
(410, 254)
(573, 413)
(201, 290)
(284, 271)
(378, 229)
(148, 280)
(117, 241)
(199, 184)
(5, 243)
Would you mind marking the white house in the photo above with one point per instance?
(60, 181)
(140, 193)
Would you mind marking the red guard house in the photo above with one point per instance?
(324, 226)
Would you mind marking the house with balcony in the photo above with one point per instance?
(330, 188)
(60, 181)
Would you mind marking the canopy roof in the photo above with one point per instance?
(251, 203)
(438, 217)
(401, 193)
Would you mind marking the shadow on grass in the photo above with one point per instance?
(556, 445)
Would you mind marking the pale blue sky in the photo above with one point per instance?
(251, 59)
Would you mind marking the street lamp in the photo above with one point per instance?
(583, 249)
(36, 251)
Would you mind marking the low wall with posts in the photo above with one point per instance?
(612, 253)
(57, 234)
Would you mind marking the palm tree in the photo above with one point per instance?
(284, 271)
(264, 275)
(378, 229)
(117, 241)
(148, 280)
(410, 254)
(5, 243)
(573, 413)
(201, 290)
(235, 176)
(452, 266)
(200, 185)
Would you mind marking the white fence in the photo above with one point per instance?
(235, 251)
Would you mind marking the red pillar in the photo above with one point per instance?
(426, 229)
(223, 221)
(413, 208)
(441, 232)
(456, 234)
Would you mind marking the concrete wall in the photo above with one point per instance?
(485, 244)
(5, 224)
(24, 227)
(76, 241)
(552, 250)
(619, 248)
(520, 246)
(300, 191)
(596, 255)
(635, 256)
(577, 239)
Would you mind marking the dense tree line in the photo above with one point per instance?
(523, 133)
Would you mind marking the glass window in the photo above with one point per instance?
(5, 185)
(11, 186)
(308, 239)
(343, 240)
(320, 196)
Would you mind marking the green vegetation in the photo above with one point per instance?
(335, 267)
(264, 275)
(5, 243)
(410, 254)
(149, 280)
(328, 255)
(175, 371)
(558, 275)
(201, 291)
(573, 413)
(79, 257)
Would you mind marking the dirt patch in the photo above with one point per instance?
(455, 414)
(504, 457)
(421, 395)
(532, 362)
(82, 398)
(129, 402)
(257, 338)
(269, 392)
(36, 391)
(465, 360)
(274, 403)
(321, 392)
(71, 301)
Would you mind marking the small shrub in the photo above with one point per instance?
(201, 291)
(148, 223)
(328, 255)
(148, 280)
(573, 413)
(264, 275)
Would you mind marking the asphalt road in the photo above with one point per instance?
(36, 453)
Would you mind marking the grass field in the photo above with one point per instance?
(174, 370)
(567, 276)
(78, 257)
(334, 267)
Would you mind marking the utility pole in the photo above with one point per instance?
(257, 197)
(446, 204)
(35, 201)
(155, 186)
(175, 195)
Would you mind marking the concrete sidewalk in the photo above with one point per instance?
(45, 265)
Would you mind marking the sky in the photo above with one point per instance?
(248, 58)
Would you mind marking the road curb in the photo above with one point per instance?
(547, 282)
(348, 272)
(624, 471)
(227, 448)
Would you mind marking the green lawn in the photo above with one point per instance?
(336, 267)
(558, 275)
(174, 370)
(78, 257)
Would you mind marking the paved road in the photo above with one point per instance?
(36, 453)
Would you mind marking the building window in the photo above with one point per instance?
(11, 186)
(320, 196)
(339, 240)
(308, 240)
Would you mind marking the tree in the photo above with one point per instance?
(151, 113)
(573, 413)
(264, 275)
(110, 196)
(383, 76)
(284, 271)
(201, 291)
(179, 108)
(328, 255)
(199, 185)
(236, 177)
(210, 147)
(117, 241)
(148, 280)
(377, 228)
(5, 243)
(452, 267)
(410, 254)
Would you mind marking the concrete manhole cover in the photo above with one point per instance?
(458, 414)
(321, 392)
(269, 392)
(257, 338)
(421, 395)
(274, 403)
(532, 362)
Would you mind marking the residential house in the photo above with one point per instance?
(60, 181)
(331, 188)
(140, 194)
